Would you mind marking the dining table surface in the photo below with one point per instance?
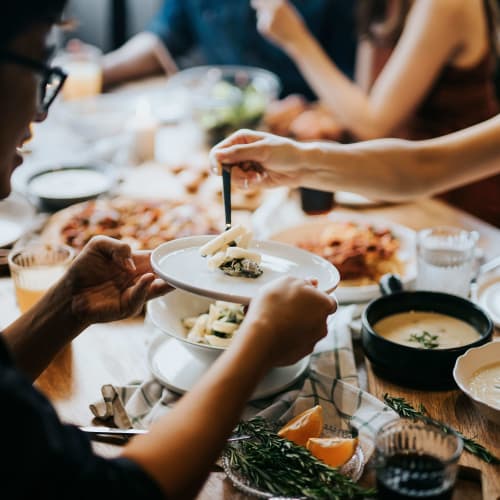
(117, 353)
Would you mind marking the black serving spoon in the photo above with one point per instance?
(226, 192)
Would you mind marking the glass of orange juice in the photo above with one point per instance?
(83, 64)
(35, 268)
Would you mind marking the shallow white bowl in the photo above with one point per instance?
(465, 366)
(167, 313)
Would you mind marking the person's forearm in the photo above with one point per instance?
(180, 449)
(347, 101)
(142, 56)
(38, 335)
(398, 170)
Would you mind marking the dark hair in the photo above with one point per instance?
(19, 15)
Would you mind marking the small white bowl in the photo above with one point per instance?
(465, 366)
(167, 313)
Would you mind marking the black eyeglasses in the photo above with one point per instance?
(52, 78)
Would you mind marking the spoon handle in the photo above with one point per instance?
(226, 191)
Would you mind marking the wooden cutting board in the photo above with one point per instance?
(454, 409)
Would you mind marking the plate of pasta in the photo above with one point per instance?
(363, 249)
(233, 267)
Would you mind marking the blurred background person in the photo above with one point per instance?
(425, 69)
(224, 32)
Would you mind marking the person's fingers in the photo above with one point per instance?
(113, 249)
(142, 259)
(239, 153)
(158, 288)
(137, 294)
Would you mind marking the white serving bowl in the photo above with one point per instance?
(465, 366)
(167, 313)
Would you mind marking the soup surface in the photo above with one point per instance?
(426, 330)
(485, 384)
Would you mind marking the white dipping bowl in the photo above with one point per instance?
(167, 313)
(466, 365)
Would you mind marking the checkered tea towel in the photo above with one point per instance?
(331, 381)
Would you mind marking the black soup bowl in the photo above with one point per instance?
(418, 367)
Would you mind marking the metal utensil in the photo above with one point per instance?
(226, 191)
(97, 432)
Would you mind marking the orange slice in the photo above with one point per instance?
(308, 424)
(335, 452)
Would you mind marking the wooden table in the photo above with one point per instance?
(116, 353)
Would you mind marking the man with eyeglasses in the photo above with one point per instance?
(45, 458)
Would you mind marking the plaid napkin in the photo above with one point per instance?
(330, 381)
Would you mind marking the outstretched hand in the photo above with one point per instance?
(107, 281)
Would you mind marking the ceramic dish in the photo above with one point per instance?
(468, 364)
(353, 468)
(56, 188)
(346, 293)
(412, 366)
(179, 263)
(16, 218)
(486, 293)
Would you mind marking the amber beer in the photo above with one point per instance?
(316, 202)
(35, 269)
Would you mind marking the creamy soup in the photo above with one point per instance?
(426, 330)
(485, 384)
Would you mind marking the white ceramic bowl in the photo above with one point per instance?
(167, 313)
(465, 366)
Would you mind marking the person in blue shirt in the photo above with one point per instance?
(225, 32)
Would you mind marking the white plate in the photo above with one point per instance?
(175, 366)
(179, 263)
(16, 217)
(348, 199)
(486, 294)
(362, 293)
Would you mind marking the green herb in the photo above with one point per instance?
(497, 386)
(404, 409)
(241, 267)
(425, 339)
(278, 466)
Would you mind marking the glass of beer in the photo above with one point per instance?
(83, 64)
(35, 268)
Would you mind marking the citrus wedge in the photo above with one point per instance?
(335, 451)
(308, 424)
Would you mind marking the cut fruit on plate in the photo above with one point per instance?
(306, 425)
(335, 451)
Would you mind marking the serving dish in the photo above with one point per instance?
(470, 362)
(180, 263)
(179, 363)
(226, 98)
(349, 292)
(55, 188)
(486, 293)
(412, 366)
(16, 218)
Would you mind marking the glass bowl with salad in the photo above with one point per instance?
(227, 98)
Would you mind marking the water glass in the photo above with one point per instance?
(446, 260)
(35, 268)
(416, 460)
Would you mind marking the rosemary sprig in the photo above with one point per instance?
(404, 409)
(278, 466)
(425, 339)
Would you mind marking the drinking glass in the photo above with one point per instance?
(416, 460)
(446, 260)
(35, 268)
(82, 62)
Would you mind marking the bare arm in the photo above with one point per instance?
(388, 169)
(282, 325)
(143, 55)
(432, 35)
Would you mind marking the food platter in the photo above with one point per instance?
(364, 290)
(180, 263)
